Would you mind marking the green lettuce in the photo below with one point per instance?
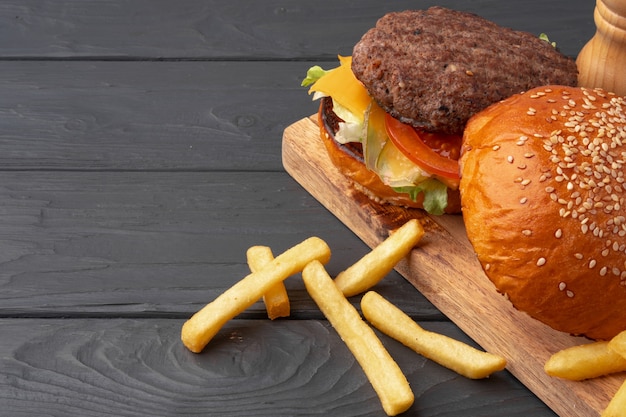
(435, 195)
(544, 37)
(312, 75)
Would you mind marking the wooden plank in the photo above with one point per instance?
(192, 29)
(122, 367)
(146, 243)
(148, 115)
(445, 269)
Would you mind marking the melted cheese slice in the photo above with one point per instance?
(345, 89)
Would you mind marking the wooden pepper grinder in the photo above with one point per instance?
(602, 61)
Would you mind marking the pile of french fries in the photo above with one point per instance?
(593, 360)
(266, 282)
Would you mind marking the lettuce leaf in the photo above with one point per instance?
(312, 75)
(544, 37)
(435, 195)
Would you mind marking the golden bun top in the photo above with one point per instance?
(542, 193)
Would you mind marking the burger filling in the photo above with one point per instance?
(404, 159)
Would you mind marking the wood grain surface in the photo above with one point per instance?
(132, 367)
(121, 243)
(444, 269)
(141, 155)
(129, 116)
(233, 30)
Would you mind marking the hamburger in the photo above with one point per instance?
(543, 200)
(392, 114)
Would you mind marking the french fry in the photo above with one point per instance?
(618, 344)
(617, 405)
(381, 370)
(371, 268)
(586, 361)
(202, 326)
(451, 353)
(276, 299)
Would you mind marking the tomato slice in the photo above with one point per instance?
(436, 153)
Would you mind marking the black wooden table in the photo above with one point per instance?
(140, 149)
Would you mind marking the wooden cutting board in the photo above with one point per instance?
(444, 268)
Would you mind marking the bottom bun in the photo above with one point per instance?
(348, 158)
(544, 205)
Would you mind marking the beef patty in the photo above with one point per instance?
(435, 68)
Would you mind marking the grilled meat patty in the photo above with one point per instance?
(435, 68)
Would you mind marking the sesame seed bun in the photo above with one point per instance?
(542, 194)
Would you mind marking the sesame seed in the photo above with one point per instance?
(510, 159)
(562, 286)
(587, 155)
(569, 293)
(541, 261)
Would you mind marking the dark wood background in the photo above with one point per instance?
(140, 157)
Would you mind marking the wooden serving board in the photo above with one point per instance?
(445, 269)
